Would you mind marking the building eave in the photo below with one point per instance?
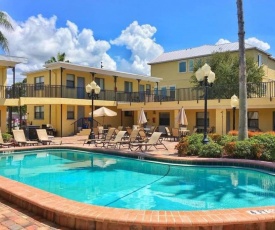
(11, 61)
(88, 69)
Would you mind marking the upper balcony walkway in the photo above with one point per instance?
(260, 90)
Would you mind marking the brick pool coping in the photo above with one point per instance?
(76, 215)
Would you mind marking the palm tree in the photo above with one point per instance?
(59, 57)
(243, 134)
(7, 25)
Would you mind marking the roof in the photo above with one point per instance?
(200, 51)
(71, 66)
(11, 61)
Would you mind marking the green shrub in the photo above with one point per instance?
(211, 150)
(226, 139)
(267, 141)
(6, 137)
(244, 150)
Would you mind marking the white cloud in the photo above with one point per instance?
(222, 41)
(258, 43)
(139, 40)
(38, 39)
(251, 41)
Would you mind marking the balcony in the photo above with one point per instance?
(260, 90)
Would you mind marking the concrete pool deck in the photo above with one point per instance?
(74, 215)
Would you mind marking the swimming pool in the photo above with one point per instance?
(112, 181)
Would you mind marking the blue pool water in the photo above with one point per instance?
(135, 184)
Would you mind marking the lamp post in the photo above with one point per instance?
(234, 103)
(92, 89)
(206, 78)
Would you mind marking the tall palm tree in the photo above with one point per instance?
(59, 57)
(243, 134)
(4, 22)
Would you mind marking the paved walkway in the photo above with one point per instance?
(15, 218)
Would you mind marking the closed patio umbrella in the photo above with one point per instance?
(104, 112)
(181, 118)
(142, 118)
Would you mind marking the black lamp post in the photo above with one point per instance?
(206, 78)
(234, 103)
(92, 90)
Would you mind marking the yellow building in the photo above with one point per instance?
(176, 68)
(56, 94)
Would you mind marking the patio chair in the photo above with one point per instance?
(108, 137)
(20, 138)
(175, 134)
(131, 139)
(154, 140)
(168, 135)
(98, 140)
(142, 135)
(44, 138)
(114, 142)
(4, 144)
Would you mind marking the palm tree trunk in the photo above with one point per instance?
(242, 75)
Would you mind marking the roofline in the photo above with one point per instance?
(11, 61)
(68, 65)
(248, 48)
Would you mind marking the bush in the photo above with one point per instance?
(182, 147)
(244, 150)
(227, 138)
(229, 149)
(211, 150)
(215, 137)
(6, 137)
(267, 141)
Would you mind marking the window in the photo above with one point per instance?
(200, 119)
(100, 83)
(128, 86)
(182, 67)
(164, 119)
(260, 61)
(39, 112)
(253, 119)
(191, 65)
(128, 113)
(172, 92)
(70, 112)
(38, 83)
(70, 81)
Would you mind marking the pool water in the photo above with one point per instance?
(112, 181)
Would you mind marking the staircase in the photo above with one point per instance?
(84, 132)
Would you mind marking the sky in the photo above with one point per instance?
(125, 35)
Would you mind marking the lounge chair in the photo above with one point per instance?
(108, 137)
(4, 144)
(131, 139)
(20, 138)
(175, 134)
(114, 142)
(44, 138)
(142, 135)
(168, 135)
(154, 140)
(98, 140)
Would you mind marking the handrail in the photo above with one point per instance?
(254, 90)
(82, 121)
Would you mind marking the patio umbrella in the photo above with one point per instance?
(181, 118)
(142, 118)
(104, 112)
